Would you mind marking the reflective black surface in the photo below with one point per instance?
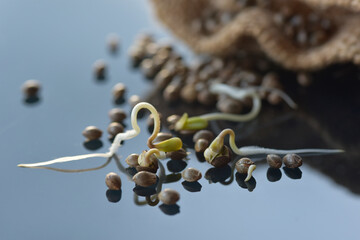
(56, 42)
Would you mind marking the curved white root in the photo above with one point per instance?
(117, 141)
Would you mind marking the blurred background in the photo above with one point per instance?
(57, 43)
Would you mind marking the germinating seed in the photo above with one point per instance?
(117, 115)
(31, 88)
(118, 90)
(191, 175)
(292, 160)
(92, 133)
(113, 181)
(274, 160)
(144, 178)
(115, 128)
(243, 165)
(222, 160)
(169, 196)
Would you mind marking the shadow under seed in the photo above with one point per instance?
(192, 186)
(170, 209)
(113, 196)
(293, 173)
(93, 144)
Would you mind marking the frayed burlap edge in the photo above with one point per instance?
(343, 46)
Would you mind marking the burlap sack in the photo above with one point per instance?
(257, 23)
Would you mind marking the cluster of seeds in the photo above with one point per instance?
(305, 26)
(117, 116)
(190, 84)
(290, 160)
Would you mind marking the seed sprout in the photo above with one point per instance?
(201, 122)
(169, 145)
(217, 146)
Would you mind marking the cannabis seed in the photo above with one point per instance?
(201, 145)
(292, 160)
(188, 93)
(206, 98)
(99, 67)
(274, 160)
(204, 134)
(114, 128)
(117, 115)
(118, 91)
(113, 181)
(31, 88)
(144, 178)
(223, 159)
(113, 42)
(132, 160)
(133, 100)
(243, 165)
(177, 155)
(191, 175)
(169, 196)
(92, 133)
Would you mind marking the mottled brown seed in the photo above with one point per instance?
(92, 133)
(191, 175)
(169, 196)
(114, 128)
(203, 134)
(223, 159)
(113, 181)
(163, 78)
(243, 165)
(188, 93)
(201, 145)
(206, 98)
(229, 105)
(292, 160)
(118, 90)
(133, 100)
(113, 41)
(117, 115)
(171, 93)
(274, 160)
(132, 160)
(177, 155)
(144, 178)
(99, 67)
(148, 68)
(31, 88)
